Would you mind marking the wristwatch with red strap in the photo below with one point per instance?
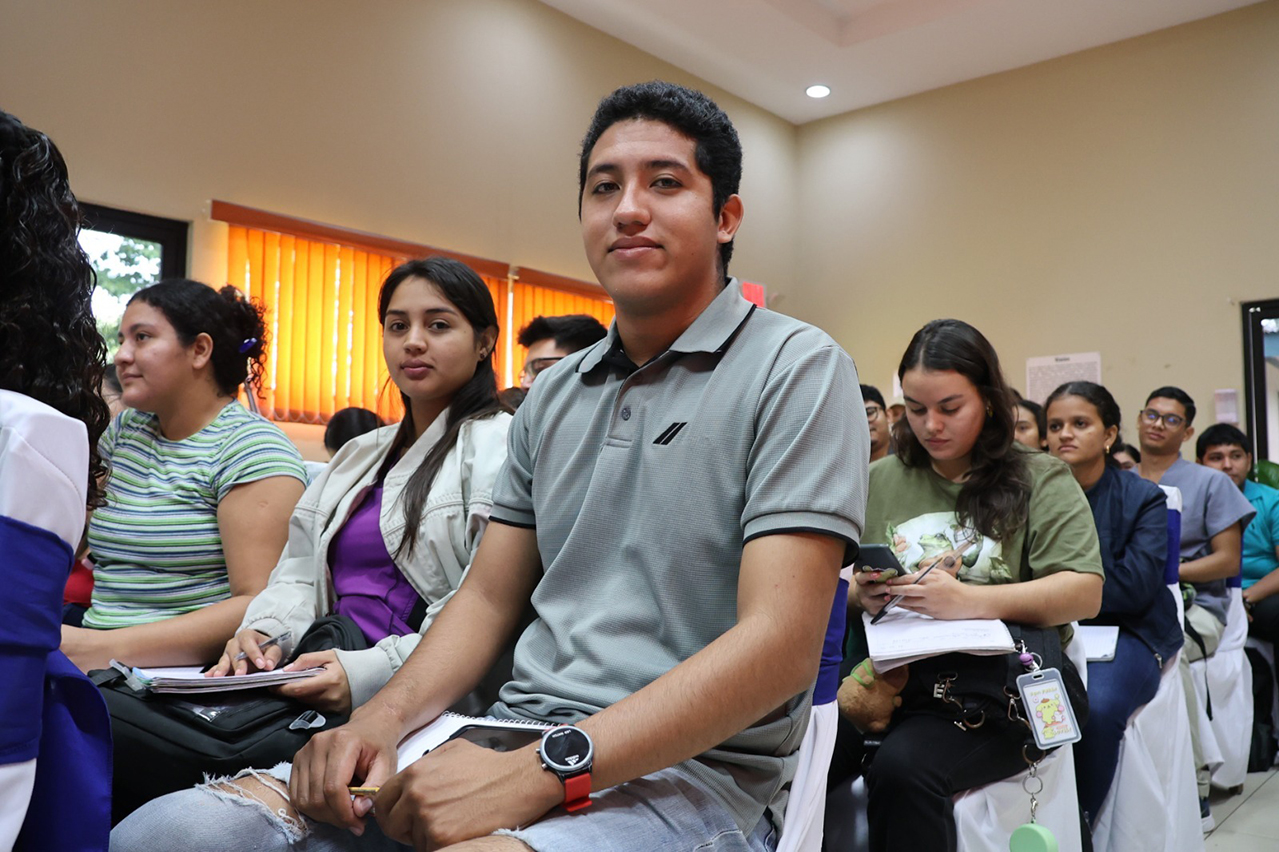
(569, 753)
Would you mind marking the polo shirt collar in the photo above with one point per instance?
(710, 332)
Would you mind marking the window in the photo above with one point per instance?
(128, 251)
(320, 285)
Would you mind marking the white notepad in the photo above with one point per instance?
(903, 636)
(190, 679)
(1099, 641)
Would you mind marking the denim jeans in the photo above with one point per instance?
(1116, 688)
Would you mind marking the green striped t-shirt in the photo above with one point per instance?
(155, 546)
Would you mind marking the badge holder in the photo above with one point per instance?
(1046, 709)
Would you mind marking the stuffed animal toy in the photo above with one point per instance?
(868, 699)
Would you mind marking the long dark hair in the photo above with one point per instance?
(993, 499)
(50, 349)
(233, 323)
(458, 283)
(1099, 398)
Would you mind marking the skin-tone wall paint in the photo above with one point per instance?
(1119, 200)
(452, 122)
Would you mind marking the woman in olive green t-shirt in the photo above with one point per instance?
(1024, 547)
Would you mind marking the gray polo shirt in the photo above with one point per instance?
(645, 483)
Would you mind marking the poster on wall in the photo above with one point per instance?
(1044, 374)
(1226, 403)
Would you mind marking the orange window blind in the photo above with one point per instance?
(320, 284)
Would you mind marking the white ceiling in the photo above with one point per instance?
(869, 51)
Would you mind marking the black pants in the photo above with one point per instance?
(1265, 620)
(924, 761)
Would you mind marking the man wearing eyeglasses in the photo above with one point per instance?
(548, 339)
(1213, 515)
(881, 441)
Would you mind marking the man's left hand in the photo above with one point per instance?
(461, 791)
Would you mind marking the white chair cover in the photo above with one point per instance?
(806, 806)
(1227, 678)
(985, 817)
(1155, 776)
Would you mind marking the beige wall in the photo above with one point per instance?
(450, 122)
(1122, 200)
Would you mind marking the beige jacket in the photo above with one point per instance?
(454, 517)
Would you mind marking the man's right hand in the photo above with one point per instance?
(246, 642)
(360, 752)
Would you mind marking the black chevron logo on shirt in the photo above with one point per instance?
(669, 435)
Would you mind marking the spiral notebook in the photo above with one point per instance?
(483, 730)
(902, 637)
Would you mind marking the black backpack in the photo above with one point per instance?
(166, 742)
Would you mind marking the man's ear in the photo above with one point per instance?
(730, 218)
(201, 351)
(1190, 433)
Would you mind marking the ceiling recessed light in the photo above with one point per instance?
(818, 91)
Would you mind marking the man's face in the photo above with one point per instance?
(1162, 427)
(877, 420)
(651, 232)
(541, 355)
(1231, 459)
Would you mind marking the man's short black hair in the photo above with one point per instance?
(1221, 434)
(571, 332)
(718, 150)
(1177, 394)
(870, 393)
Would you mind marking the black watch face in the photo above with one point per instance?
(566, 749)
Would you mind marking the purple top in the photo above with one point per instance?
(370, 589)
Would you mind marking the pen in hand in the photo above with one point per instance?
(945, 563)
(262, 646)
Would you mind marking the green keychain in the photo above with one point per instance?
(1032, 837)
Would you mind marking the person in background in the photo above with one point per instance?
(1131, 515)
(199, 492)
(1125, 455)
(55, 739)
(1027, 549)
(1227, 449)
(512, 398)
(1031, 428)
(881, 440)
(548, 339)
(1214, 514)
(347, 424)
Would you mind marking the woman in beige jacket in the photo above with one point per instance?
(385, 534)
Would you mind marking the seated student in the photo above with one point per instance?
(386, 533)
(1132, 524)
(1125, 455)
(681, 587)
(55, 739)
(343, 426)
(551, 339)
(1026, 550)
(881, 441)
(1226, 448)
(1031, 429)
(1214, 514)
(199, 492)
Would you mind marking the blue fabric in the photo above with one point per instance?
(1132, 526)
(1172, 568)
(1115, 689)
(1262, 535)
(833, 648)
(48, 709)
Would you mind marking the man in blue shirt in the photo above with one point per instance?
(1226, 448)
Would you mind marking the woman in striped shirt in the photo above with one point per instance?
(199, 491)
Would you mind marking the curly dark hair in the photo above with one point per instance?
(234, 324)
(50, 349)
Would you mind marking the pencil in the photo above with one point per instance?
(364, 791)
(949, 561)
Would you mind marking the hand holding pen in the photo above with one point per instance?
(249, 646)
(947, 563)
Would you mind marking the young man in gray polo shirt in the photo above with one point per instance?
(677, 504)
(679, 500)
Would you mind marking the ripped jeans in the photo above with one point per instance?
(210, 818)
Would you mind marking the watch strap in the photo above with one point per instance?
(577, 792)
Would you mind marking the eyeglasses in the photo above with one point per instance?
(537, 365)
(1172, 421)
(873, 412)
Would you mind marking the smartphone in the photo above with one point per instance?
(498, 739)
(879, 557)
